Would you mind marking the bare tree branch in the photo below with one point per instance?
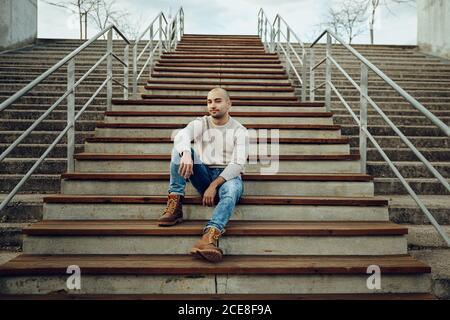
(373, 5)
(82, 8)
(347, 19)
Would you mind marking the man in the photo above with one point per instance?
(214, 169)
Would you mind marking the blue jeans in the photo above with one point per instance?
(229, 192)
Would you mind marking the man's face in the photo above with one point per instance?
(218, 104)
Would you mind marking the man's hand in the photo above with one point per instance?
(186, 165)
(210, 193)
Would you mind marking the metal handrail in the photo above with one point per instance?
(276, 32)
(167, 36)
(69, 94)
(365, 99)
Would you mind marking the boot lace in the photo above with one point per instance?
(171, 205)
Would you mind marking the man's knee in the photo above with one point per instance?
(232, 189)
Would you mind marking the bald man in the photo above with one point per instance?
(214, 168)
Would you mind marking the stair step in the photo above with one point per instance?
(153, 145)
(151, 163)
(225, 297)
(239, 76)
(276, 208)
(201, 98)
(232, 90)
(223, 57)
(232, 113)
(252, 140)
(201, 102)
(253, 200)
(248, 177)
(219, 83)
(220, 71)
(261, 237)
(324, 118)
(331, 127)
(199, 107)
(289, 184)
(133, 129)
(191, 228)
(186, 265)
(111, 156)
(196, 61)
(149, 274)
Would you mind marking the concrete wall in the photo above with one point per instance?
(433, 24)
(18, 23)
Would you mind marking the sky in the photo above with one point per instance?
(394, 25)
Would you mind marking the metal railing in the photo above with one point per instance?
(362, 120)
(172, 31)
(169, 34)
(69, 95)
(365, 100)
(274, 43)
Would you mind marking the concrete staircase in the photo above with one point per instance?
(311, 230)
(426, 78)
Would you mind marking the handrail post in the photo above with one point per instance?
(328, 75)
(181, 24)
(363, 117)
(288, 49)
(109, 72)
(174, 35)
(160, 35)
(135, 66)
(126, 53)
(168, 37)
(304, 59)
(265, 35)
(312, 62)
(259, 24)
(71, 115)
(278, 34)
(150, 51)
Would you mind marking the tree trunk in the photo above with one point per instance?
(85, 25)
(81, 26)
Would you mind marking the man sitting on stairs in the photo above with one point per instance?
(215, 166)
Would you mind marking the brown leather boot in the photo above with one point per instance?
(173, 213)
(206, 248)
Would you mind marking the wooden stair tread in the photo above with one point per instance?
(118, 156)
(194, 228)
(232, 113)
(217, 75)
(251, 140)
(277, 89)
(198, 102)
(187, 265)
(228, 57)
(218, 64)
(202, 98)
(223, 55)
(351, 177)
(221, 61)
(101, 124)
(244, 200)
(218, 83)
(196, 70)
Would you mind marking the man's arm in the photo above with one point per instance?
(182, 144)
(232, 170)
(239, 156)
(182, 140)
